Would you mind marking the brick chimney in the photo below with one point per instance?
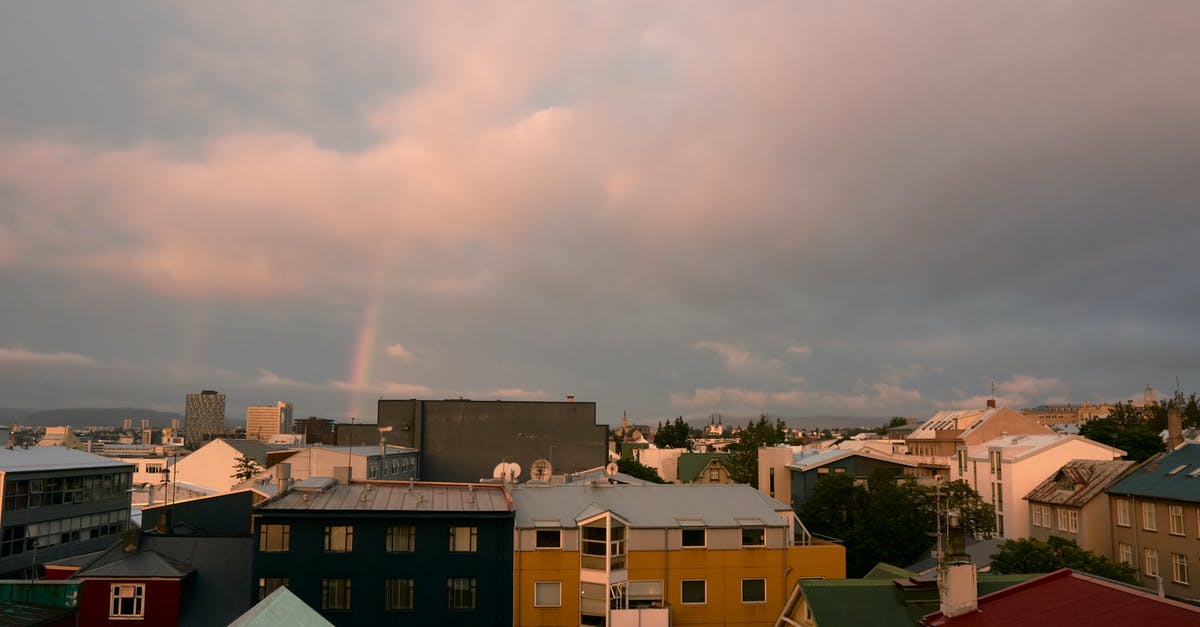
(1174, 428)
(991, 403)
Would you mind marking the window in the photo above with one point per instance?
(1125, 553)
(402, 539)
(1179, 570)
(397, 594)
(1149, 522)
(693, 591)
(1152, 562)
(272, 538)
(1036, 513)
(335, 594)
(461, 592)
(1062, 519)
(754, 591)
(962, 461)
(753, 536)
(547, 594)
(1123, 512)
(714, 474)
(647, 593)
(267, 585)
(1177, 520)
(1073, 521)
(339, 538)
(464, 539)
(549, 539)
(126, 600)
(694, 538)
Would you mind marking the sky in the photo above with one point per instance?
(797, 208)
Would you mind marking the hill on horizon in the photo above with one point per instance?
(87, 416)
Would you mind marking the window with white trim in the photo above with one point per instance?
(754, 591)
(1123, 512)
(1179, 569)
(1036, 514)
(547, 594)
(1177, 520)
(1151, 557)
(548, 539)
(1062, 519)
(754, 536)
(1149, 517)
(127, 600)
(692, 537)
(1125, 553)
(693, 591)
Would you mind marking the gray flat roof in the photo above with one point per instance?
(43, 458)
(391, 496)
(650, 505)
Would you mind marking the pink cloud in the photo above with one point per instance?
(23, 357)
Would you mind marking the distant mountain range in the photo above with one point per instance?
(795, 422)
(86, 416)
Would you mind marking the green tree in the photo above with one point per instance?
(1029, 555)
(1127, 432)
(244, 468)
(675, 434)
(889, 519)
(743, 454)
(634, 468)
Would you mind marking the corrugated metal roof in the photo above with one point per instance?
(1078, 482)
(385, 496)
(951, 420)
(144, 563)
(1155, 479)
(281, 607)
(649, 505)
(53, 458)
(804, 462)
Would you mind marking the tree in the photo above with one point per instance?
(244, 468)
(675, 434)
(890, 519)
(1126, 431)
(634, 468)
(896, 421)
(743, 454)
(1030, 555)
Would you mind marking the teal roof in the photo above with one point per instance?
(883, 602)
(281, 608)
(692, 464)
(1174, 475)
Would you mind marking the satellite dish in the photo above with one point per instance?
(610, 469)
(506, 471)
(541, 470)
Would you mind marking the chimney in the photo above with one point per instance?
(1174, 428)
(342, 474)
(570, 398)
(283, 473)
(957, 586)
(991, 403)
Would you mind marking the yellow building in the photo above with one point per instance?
(656, 555)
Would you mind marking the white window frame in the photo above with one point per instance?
(135, 592)
(764, 591)
(1149, 517)
(1150, 556)
(761, 530)
(1125, 553)
(1123, 513)
(558, 593)
(1073, 521)
(1037, 515)
(1179, 569)
(703, 582)
(1062, 518)
(1176, 514)
(704, 535)
(537, 539)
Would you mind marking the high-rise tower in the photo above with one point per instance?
(203, 418)
(264, 421)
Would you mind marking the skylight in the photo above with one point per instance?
(1177, 469)
(1194, 472)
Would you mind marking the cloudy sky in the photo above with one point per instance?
(803, 208)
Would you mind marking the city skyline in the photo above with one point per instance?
(667, 209)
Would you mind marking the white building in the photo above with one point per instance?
(1005, 469)
(213, 465)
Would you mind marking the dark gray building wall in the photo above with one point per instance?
(463, 440)
(856, 466)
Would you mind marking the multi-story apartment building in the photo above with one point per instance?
(315, 430)
(264, 421)
(1067, 413)
(604, 554)
(58, 502)
(1005, 469)
(1156, 520)
(949, 432)
(370, 553)
(203, 418)
(1072, 504)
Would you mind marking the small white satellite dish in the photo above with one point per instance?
(541, 470)
(610, 469)
(506, 471)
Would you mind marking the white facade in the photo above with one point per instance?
(1005, 469)
(211, 466)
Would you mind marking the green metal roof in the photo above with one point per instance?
(884, 570)
(1174, 476)
(881, 602)
(691, 464)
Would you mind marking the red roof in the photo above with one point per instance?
(1065, 598)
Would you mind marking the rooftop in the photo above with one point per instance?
(1066, 598)
(1173, 475)
(281, 607)
(883, 601)
(649, 505)
(393, 496)
(808, 460)
(1018, 447)
(53, 458)
(1078, 482)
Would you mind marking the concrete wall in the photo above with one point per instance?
(463, 440)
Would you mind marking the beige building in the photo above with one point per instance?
(1072, 504)
(948, 432)
(264, 421)
(1156, 520)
